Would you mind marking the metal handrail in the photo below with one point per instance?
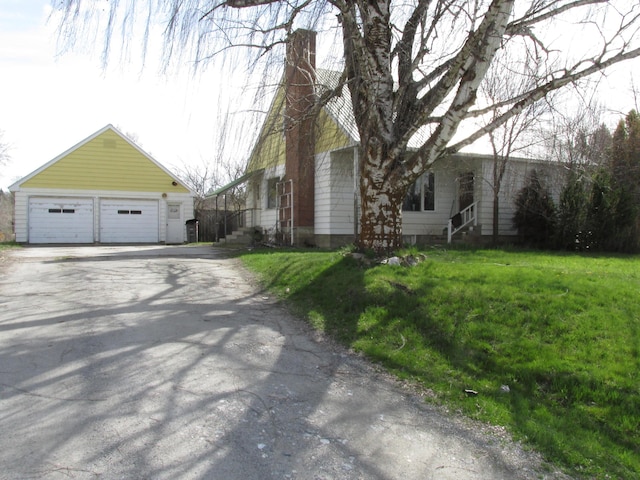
(467, 216)
(227, 220)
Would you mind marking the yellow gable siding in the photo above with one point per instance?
(270, 150)
(107, 162)
(329, 136)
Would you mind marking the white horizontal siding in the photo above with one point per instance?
(20, 220)
(22, 205)
(322, 194)
(334, 212)
(515, 177)
(342, 205)
(433, 222)
(269, 216)
(334, 194)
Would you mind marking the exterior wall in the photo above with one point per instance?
(433, 222)
(334, 193)
(107, 162)
(22, 206)
(446, 173)
(257, 192)
(334, 209)
(512, 182)
(516, 175)
(253, 202)
(335, 189)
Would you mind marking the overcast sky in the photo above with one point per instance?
(50, 102)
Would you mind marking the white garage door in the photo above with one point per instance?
(128, 221)
(61, 220)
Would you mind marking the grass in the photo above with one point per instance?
(8, 245)
(562, 331)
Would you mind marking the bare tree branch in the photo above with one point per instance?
(522, 101)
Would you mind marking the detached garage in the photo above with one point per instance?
(105, 189)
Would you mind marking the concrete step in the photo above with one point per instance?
(244, 236)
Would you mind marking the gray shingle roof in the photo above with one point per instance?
(339, 107)
(341, 110)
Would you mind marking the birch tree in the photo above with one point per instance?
(410, 67)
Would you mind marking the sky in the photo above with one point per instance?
(50, 101)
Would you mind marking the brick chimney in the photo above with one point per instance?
(300, 77)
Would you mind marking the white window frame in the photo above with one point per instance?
(419, 190)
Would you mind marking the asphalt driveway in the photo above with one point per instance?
(169, 363)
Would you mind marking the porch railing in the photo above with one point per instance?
(465, 217)
(225, 222)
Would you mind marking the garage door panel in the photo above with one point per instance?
(128, 221)
(61, 220)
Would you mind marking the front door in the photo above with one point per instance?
(465, 190)
(175, 225)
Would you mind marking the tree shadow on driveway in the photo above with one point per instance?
(178, 367)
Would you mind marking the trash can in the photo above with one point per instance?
(192, 230)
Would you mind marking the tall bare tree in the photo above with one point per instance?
(206, 176)
(4, 151)
(508, 78)
(409, 67)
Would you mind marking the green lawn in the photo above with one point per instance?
(562, 331)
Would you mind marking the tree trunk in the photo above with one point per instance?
(380, 212)
(496, 212)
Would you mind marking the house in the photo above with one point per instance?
(105, 189)
(302, 175)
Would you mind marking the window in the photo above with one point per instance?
(412, 200)
(272, 185)
(173, 211)
(422, 195)
(429, 192)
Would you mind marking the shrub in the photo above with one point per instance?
(535, 216)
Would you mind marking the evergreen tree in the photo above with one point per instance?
(601, 211)
(572, 213)
(625, 184)
(535, 216)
